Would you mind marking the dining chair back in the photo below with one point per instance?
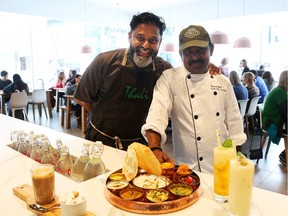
(38, 98)
(242, 106)
(19, 101)
(251, 112)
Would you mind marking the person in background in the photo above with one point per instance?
(198, 104)
(248, 79)
(4, 81)
(240, 91)
(16, 86)
(72, 74)
(263, 91)
(61, 80)
(224, 68)
(69, 90)
(275, 115)
(269, 80)
(244, 66)
(261, 70)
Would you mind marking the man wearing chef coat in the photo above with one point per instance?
(197, 103)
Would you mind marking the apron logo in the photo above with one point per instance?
(134, 93)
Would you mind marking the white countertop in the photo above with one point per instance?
(15, 171)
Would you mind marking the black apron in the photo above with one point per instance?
(122, 111)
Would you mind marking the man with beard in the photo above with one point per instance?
(116, 88)
(198, 104)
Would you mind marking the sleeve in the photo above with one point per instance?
(8, 88)
(70, 88)
(160, 109)
(88, 86)
(233, 118)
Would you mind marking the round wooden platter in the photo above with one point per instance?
(150, 207)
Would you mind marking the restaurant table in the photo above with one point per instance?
(58, 90)
(3, 97)
(15, 171)
(69, 99)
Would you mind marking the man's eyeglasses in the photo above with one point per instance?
(193, 51)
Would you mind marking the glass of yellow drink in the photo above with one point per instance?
(241, 184)
(222, 157)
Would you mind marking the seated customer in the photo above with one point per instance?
(253, 91)
(69, 90)
(16, 86)
(259, 82)
(240, 91)
(269, 80)
(4, 81)
(275, 114)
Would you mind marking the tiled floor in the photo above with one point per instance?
(269, 173)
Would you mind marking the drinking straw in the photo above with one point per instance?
(218, 138)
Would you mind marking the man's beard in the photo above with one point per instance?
(142, 61)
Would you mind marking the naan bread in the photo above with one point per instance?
(130, 165)
(146, 159)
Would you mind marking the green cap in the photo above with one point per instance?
(193, 36)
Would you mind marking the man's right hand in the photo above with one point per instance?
(162, 156)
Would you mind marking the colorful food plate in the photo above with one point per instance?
(143, 203)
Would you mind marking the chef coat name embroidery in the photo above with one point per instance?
(218, 88)
(135, 93)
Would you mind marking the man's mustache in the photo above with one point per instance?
(191, 62)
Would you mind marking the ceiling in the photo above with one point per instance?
(132, 6)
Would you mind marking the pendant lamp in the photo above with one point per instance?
(219, 37)
(242, 42)
(169, 47)
(86, 48)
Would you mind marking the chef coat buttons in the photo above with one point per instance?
(196, 116)
(192, 96)
(200, 158)
(215, 93)
(198, 138)
(217, 114)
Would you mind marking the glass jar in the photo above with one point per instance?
(95, 166)
(80, 163)
(64, 163)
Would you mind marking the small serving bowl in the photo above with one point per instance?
(131, 193)
(117, 176)
(117, 184)
(157, 195)
(167, 168)
(75, 207)
(180, 189)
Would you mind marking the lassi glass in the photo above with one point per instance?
(241, 184)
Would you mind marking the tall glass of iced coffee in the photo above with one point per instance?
(43, 183)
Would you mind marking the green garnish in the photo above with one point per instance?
(228, 143)
(242, 159)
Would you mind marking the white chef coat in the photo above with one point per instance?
(198, 104)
